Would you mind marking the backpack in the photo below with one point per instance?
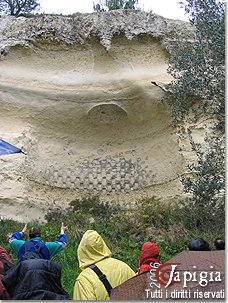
(33, 251)
(35, 279)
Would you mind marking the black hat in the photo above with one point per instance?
(219, 244)
(34, 232)
(198, 244)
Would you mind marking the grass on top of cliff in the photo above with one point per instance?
(171, 226)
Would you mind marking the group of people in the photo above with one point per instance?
(36, 277)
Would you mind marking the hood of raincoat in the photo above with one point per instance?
(92, 249)
(149, 251)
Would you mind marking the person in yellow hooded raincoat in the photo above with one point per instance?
(93, 250)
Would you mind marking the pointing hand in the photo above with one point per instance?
(64, 229)
(24, 229)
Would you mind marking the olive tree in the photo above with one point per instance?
(18, 7)
(198, 67)
(105, 5)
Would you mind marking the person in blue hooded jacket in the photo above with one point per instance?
(49, 249)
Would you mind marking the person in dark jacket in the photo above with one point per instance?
(149, 257)
(36, 279)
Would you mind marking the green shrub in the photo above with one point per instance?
(152, 211)
(92, 206)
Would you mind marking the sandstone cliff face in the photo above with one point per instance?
(76, 96)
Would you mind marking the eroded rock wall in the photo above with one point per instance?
(76, 96)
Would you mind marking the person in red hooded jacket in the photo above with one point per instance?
(149, 257)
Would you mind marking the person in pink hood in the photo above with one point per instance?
(149, 257)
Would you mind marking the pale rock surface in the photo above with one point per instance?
(76, 96)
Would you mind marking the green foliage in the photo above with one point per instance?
(206, 184)
(157, 214)
(84, 212)
(94, 207)
(18, 7)
(201, 218)
(105, 5)
(198, 68)
(207, 181)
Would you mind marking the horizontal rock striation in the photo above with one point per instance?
(79, 95)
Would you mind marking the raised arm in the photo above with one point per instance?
(60, 244)
(15, 240)
(62, 237)
(18, 235)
